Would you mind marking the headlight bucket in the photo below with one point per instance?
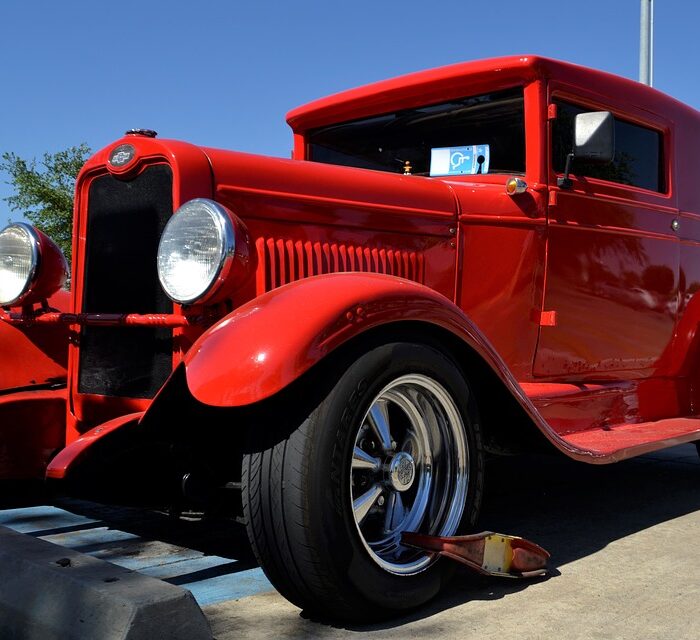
(32, 267)
(203, 254)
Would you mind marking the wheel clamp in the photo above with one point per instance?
(488, 553)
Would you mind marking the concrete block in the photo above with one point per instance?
(49, 592)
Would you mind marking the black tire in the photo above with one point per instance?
(300, 487)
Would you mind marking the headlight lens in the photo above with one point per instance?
(19, 257)
(195, 245)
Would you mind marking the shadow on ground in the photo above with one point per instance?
(571, 509)
(212, 536)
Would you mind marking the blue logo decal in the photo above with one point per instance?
(456, 161)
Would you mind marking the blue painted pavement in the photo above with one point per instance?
(211, 579)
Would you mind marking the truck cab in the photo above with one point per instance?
(481, 258)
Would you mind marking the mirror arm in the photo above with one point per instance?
(565, 182)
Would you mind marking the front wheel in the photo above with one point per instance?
(394, 446)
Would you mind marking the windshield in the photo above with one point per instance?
(475, 135)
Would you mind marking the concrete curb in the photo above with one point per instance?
(49, 592)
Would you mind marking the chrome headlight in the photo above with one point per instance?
(19, 259)
(198, 249)
(32, 267)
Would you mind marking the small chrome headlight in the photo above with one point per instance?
(19, 259)
(197, 250)
(32, 267)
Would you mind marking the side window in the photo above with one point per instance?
(638, 152)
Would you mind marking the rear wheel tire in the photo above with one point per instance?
(394, 446)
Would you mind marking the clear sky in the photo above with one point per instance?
(224, 73)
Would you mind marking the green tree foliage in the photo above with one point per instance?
(44, 190)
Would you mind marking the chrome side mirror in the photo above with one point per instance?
(594, 136)
(594, 141)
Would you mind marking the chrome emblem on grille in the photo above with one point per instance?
(122, 155)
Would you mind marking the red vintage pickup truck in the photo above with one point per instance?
(484, 258)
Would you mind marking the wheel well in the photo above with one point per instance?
(506, 427)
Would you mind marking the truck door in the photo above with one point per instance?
(612, 266)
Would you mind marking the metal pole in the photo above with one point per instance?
(651, 43)
(645, 41)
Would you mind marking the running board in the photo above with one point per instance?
(612, 444)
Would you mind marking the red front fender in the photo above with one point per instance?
(268, 343)
(34, 355)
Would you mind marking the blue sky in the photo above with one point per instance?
(224, 73)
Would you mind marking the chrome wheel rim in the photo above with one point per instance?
(409, 471)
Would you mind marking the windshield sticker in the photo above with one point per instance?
(458, 161)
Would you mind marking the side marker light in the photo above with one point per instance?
(515, 186)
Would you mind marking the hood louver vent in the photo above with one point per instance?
(283, 261)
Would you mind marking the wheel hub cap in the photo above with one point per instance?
(402, 471)
(409, 471)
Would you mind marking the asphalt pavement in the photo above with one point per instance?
(625, 557)
(623, 538)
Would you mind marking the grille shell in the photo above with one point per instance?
(124, 225)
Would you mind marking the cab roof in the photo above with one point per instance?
(468, 78)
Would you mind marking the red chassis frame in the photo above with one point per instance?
(477, 266)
